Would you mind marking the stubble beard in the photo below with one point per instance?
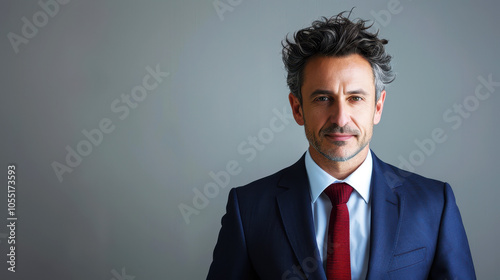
(315, 142)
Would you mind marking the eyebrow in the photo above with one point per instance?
(329, 92)
(357, 91)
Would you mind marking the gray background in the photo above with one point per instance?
(117, 213)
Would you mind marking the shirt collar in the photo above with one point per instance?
(359, 180)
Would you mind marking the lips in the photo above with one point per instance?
(339, 136)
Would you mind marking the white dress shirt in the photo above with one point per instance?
(359, 211)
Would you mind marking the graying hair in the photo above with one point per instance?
(336, 36)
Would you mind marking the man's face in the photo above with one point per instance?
(338, 107)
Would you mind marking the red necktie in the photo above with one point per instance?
(338, 261)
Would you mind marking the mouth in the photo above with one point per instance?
(339, 137)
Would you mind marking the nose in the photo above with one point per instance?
(340, 114)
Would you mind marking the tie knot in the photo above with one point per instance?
(338, 193)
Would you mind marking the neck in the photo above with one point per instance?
(339, 169)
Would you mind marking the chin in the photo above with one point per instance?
(337, 156)
(341, 154)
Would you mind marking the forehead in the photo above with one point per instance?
(337, 72)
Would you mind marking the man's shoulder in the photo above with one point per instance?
(398, 179)
(271, 184)
(390, 170)
(404, 181)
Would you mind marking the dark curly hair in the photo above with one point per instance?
(336, 36)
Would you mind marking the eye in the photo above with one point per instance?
(322, 98)
(356, 98)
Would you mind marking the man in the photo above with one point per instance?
(340, 212)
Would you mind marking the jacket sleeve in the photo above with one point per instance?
(230, 257)
(453, 258)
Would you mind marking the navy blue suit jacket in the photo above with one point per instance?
(416, 229)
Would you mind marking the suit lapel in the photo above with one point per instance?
(295, 208)
(387, 209)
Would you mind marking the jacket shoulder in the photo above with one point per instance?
(411, 177)
(272, 185)
(406, 182)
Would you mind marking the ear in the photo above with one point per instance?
(298, 114)
(379, 107)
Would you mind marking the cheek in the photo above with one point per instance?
(317, 117)
(365, 125)
(364, 120)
